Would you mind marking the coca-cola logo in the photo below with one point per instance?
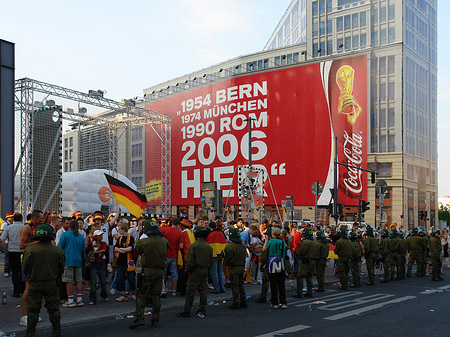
(353, 152)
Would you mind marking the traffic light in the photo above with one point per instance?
(372, 177)
(331, 209)
(364, 206)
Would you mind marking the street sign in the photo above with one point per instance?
(317, 188)
(381, 186)
(287, 204)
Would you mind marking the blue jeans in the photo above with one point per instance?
(216, 272)
(121, 273)
(114, 283)
(171, 264)
(100, 268)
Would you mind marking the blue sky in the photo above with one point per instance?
(125, 46)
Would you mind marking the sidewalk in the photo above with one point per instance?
(11, 312)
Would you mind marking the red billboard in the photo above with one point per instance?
(296, 114)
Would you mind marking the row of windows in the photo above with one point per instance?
(68, 142)
(319, 7)
(384, 170)
(351, 21)
(382, 118)
(136, 133)
(136, 166)
(68, 167)
(137, 181)
(68, 154)
(380, 15)
(379, 65)
(381, 147)
(378, 92)
(382, 38)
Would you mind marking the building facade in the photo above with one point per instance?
(399, 39)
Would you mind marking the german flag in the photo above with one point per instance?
(134, 201)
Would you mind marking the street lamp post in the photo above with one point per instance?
(291, 197)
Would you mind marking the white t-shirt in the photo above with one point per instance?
(60, 232)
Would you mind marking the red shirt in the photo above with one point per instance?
(173, 235)
(297, 238)
(101, 246)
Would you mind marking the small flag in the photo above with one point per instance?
(134, 201)
(1, 221)
(331, 253)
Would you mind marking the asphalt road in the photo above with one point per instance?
(412, 307)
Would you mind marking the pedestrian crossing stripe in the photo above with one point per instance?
(292, 329)
(354, 302)
(326, 298)
(368, 308)
(437, 290)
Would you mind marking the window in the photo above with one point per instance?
(348, 43)
(374, 37)
(322, 28)
(382, 91)
(355, 41)
(373, 119)
(391, 143)
(410, 173)
(391, 91)
(136, 166)
(137, 181)
(315, 29)
(347, 22)
(65, 155)
(322, 7)
(329, 26)
(329, 47)
(382, 118)
(136, 150)
(70, 166)
(391, 64)
(295, 57)
(374, 66)
(71, 141)
(374, 16)
(373, 93)
(65, 167)
(391, 12)
(362, 19)
(391, 34)
(391, 117)
(136, 133)
(339, 24)
(382, 65)
(315, 8)
(315, 48)
(382, 14)
(373, 144)
(382, 143)
(277, 61)
(71, 154)
(329, 6)
(362, 40)
(355, 21)
(382, 36)
(384, 169)
(66, 142)
(340, 45)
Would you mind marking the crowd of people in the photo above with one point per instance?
(146, 259)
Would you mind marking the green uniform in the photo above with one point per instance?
(42, 264)
(307, 251)
(356, 259)
(265, 277)
(385, 251)
(371, 251)
(435, 254)
(235, 254)
(415, 247)
(424, 244)
(402, 258)
(395, 258)
(321, 263)
(344, 249)
(198, 261)
(153, 259)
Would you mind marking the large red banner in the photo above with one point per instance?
(297, 112)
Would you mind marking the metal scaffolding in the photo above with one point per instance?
(119, 116)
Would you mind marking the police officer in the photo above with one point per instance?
(307, 250)
(235, 254)
(150, 281)
(198, 261)
(424, 246)
(321, 262)
(385, 251)
(42, 264)
(435, 254)
(401, 236)
(344, 250)
(356, 259)
(370, 253)
(413, 244)
(395, 258)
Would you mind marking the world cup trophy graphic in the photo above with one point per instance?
(347, 104)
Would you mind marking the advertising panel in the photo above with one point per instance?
(295, 112)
